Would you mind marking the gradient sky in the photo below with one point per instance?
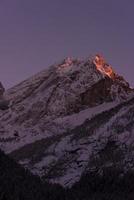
(37, 33)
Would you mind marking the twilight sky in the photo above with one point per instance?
(37, 33)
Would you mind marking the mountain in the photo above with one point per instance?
(73, 119)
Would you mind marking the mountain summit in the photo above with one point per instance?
(62, 119)
(103, 67)
(72, 85)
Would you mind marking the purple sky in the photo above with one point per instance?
(37, 33)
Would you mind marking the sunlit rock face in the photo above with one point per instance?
(102, 66)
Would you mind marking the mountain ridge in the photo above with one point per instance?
(63, 117)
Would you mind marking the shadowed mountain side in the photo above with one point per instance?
(16, 183)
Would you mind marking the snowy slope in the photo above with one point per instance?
(60, 120)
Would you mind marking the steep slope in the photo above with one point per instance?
(62, 121)
(17, 183)
(3, 102)
(104, 140)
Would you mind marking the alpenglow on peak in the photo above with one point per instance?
(102, 66)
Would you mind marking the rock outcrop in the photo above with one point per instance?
(4, 104)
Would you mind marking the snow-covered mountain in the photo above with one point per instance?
(73, 118)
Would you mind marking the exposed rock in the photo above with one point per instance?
(2, 90)
(3, 102)
(60, 121)
(102, 66)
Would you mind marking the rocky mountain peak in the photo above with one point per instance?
(67, 62)
(61, 120)
(102, 66)
(69, 87)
